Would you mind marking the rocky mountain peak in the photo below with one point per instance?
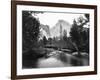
(59, 27)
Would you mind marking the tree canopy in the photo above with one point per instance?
(80, 34)
(30, 30)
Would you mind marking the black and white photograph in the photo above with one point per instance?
(55, 39)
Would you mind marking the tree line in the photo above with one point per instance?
(79, 35)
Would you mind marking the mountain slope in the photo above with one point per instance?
(44, 31)
(59, 27)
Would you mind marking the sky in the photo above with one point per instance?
(51, 18)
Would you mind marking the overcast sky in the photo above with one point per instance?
(51, 19)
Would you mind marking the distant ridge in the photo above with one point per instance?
(44, 31)
(55, 31)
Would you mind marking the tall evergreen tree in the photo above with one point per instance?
(30, 30)
(79, 34)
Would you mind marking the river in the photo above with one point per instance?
(59, 59)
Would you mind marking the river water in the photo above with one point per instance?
(61, 60)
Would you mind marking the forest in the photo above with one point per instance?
(36, 46)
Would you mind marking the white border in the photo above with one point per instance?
(21, 71)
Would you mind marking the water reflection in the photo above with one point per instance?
(56, 59)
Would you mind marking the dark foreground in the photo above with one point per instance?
(55, 58)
